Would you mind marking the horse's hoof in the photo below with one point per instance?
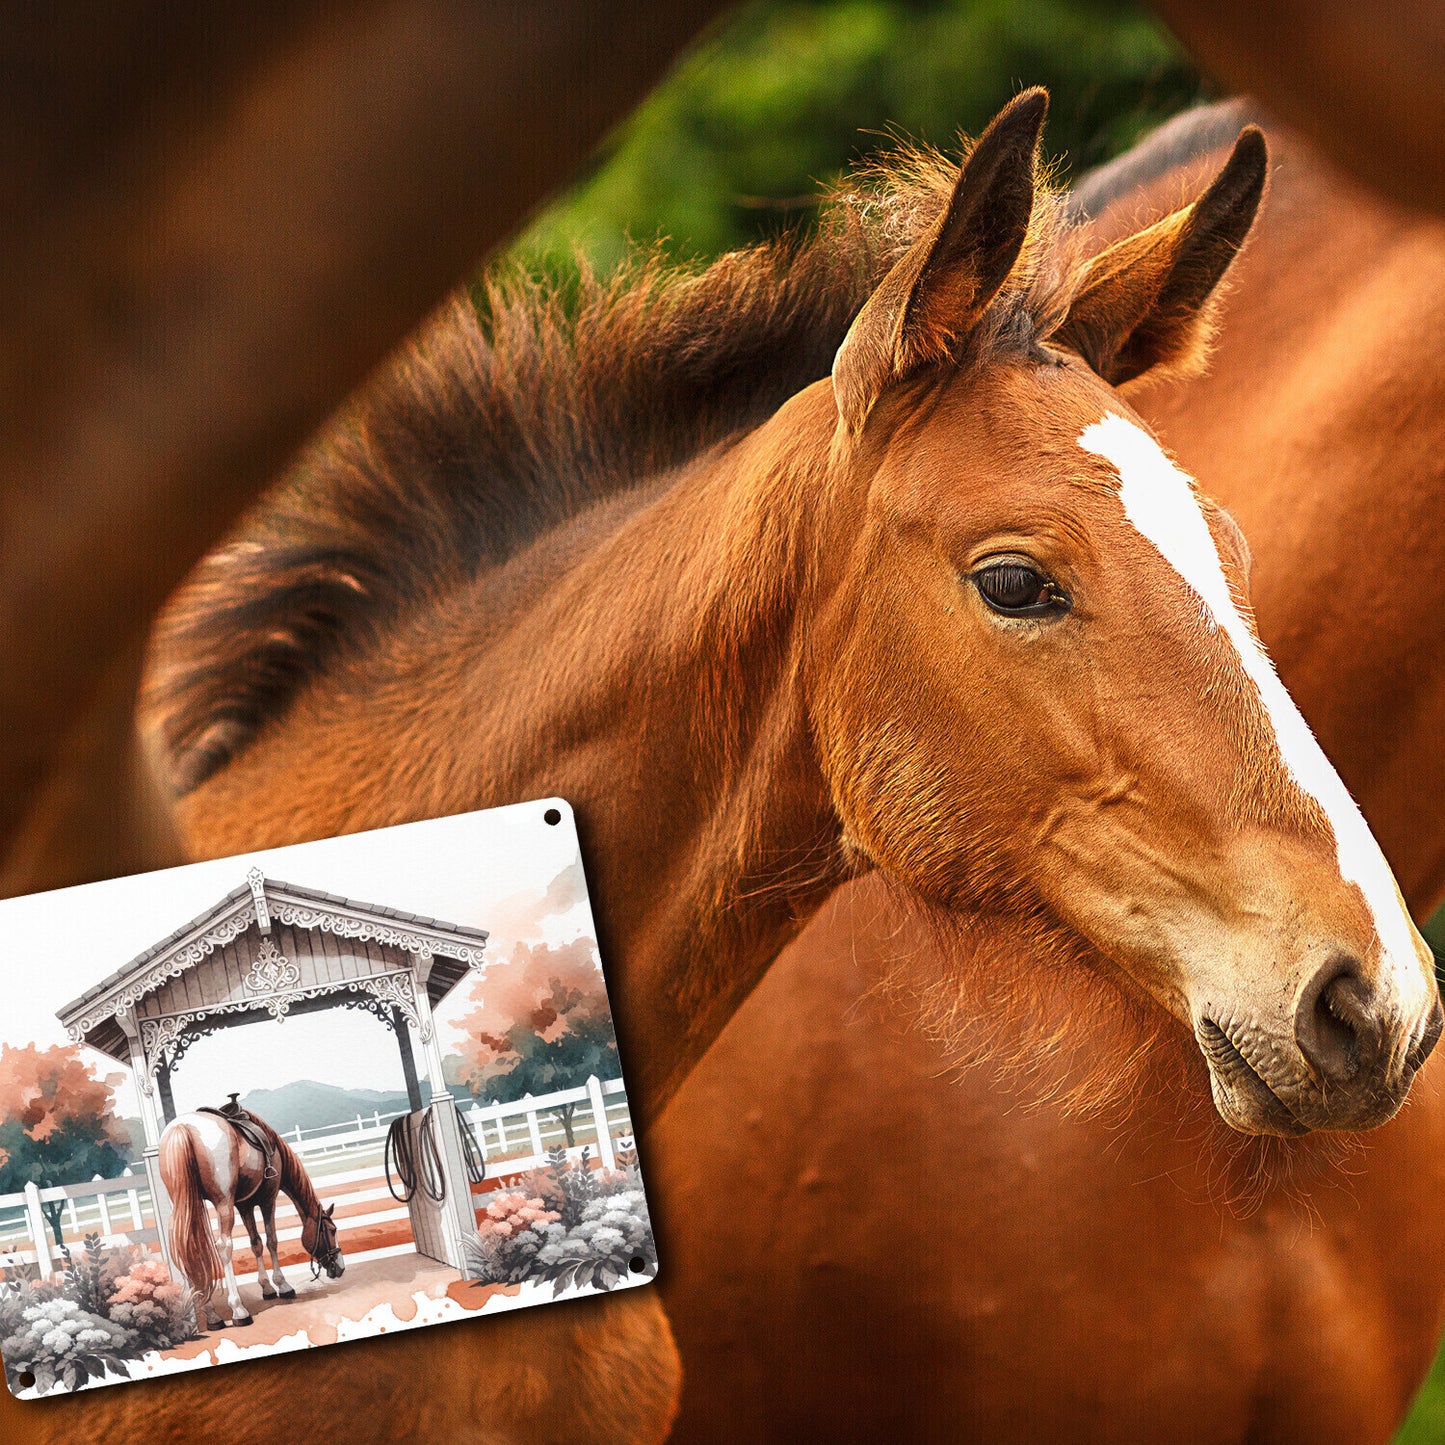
(287, 1294)
(241, 1322)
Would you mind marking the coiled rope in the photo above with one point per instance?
(476, 1165)
(416, 1158)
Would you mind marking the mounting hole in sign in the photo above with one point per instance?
(551, 817)
(25, 1379)
(638, 1264)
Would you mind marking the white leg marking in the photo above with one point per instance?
(1159, 500)
(226, 1222)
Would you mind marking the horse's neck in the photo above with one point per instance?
(648, 671)
(295, 1184)
(658, 686)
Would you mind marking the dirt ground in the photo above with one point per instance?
(321, 1303)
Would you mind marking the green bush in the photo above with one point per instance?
(786, 94)
(599, 1228)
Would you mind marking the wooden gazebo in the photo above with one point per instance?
(268, 950)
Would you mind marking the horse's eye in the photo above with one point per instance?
(1017, 588)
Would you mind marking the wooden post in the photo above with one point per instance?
(431, 1047)
(479, 1129)
(408, 1061)
(39, 1232)
(167, 1098)
(103, 1200)
(533, 1130)
(599, 1115)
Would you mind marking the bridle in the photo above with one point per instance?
(326, 1237)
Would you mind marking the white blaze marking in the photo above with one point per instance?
(1159, 501)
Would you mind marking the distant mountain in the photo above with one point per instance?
(309, 1105)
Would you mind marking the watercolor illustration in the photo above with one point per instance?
(296, 1114)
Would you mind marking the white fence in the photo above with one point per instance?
(119, 1210)
(511, 1138)
(519, 1133)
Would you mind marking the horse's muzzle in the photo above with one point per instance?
(1348, 1067)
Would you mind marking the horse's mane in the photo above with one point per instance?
(517, 408)
(1185, 138)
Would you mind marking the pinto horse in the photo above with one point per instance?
(207, 1159)
(1128, 1271)
(943, 612)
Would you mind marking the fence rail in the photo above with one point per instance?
(88, 1208)
(500, 1119)
(512, 1138)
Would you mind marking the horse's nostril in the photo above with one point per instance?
(1335, 1027)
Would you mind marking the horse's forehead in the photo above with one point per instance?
(1017, 427)
(1160, 502)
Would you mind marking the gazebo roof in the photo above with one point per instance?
(454, 948)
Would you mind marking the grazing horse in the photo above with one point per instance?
(1132, 1273)
(942, 611)
(207, 1159)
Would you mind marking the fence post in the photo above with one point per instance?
(599, 1116)
(501, 1127)
(532, 1128)
(39, 1234)
(134, 1197)
(479, 1128)
(103, 1200)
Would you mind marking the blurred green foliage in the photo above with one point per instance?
(786, 93)
(1426, 1422)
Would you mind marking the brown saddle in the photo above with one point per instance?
(253, 1131)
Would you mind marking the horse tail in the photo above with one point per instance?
(192, 1245)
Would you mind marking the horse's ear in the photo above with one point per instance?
(939, 288)
(330, 1210)
(1145, 303)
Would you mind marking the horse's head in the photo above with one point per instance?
(319, 1237)
(1038, 688)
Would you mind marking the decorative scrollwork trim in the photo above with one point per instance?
(217, 935)
(271, 971)
(265, 910)
(345, 925)
(165, 1039)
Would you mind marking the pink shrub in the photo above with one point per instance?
(508, 1237)
(146, 1300)
(509, 1214)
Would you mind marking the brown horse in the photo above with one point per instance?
(1131, 1274)
(952, 616)
(206, 1159)
(1362, 82)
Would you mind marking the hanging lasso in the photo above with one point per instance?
(472, 1154)
(416, 1158)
